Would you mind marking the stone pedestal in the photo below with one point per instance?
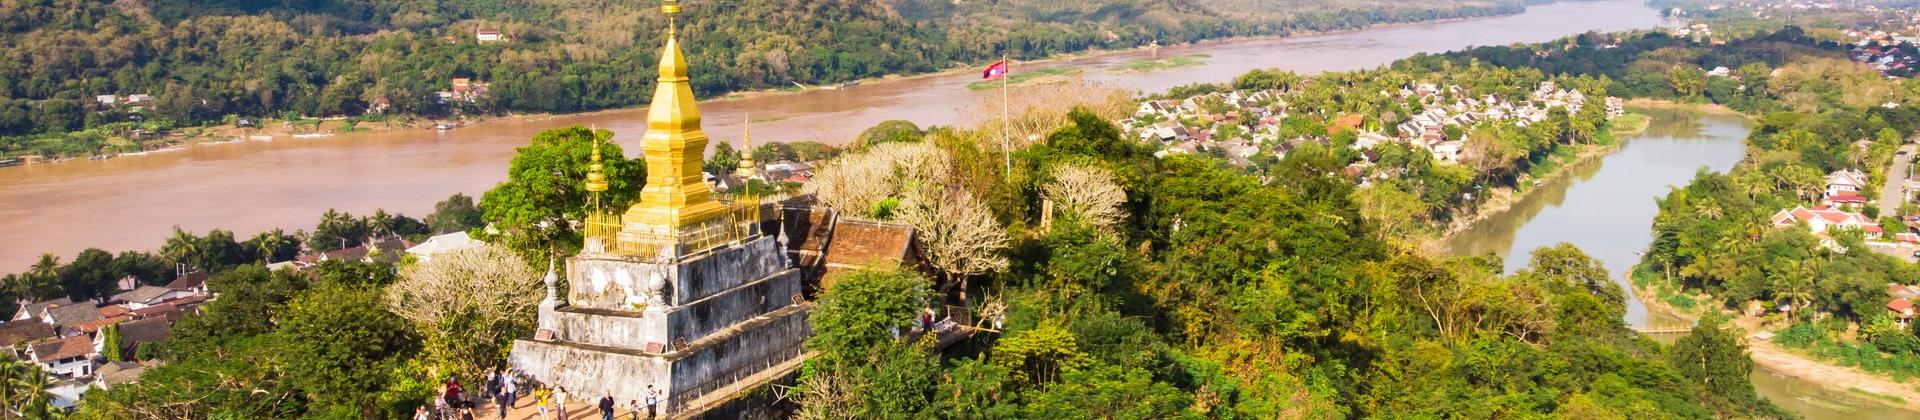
(685, 326)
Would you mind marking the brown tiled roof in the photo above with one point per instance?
(189, 281)
(78, 345)
(95, 325)
(806, 228)
(110, 311)
(858, 245)
(24, 331)
(155, 310)
(133, 333)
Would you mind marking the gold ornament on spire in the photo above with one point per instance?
(677, 204)
(748, 169)
(596, 180)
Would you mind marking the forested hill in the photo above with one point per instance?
(204, 60)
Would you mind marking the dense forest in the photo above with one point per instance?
(214, 61)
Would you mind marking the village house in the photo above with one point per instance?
(1845, 181)
(37, 310)
(70, 357)
(1822, 219)
(488, 35)
(1902, 310)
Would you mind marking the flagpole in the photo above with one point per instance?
(1006, 114)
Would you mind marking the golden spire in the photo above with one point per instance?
(596, 180)
(747, 168)
(676, 200)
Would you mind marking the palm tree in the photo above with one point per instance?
(268, 243)
(10, 368)
(35, 401)
(41, 281)
(380, 225)
(183, 247)
(1793, 286)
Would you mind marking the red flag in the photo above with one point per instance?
(999, 68)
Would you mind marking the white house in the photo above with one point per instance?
(1821, 219)
(1845, 181)
(71, 356)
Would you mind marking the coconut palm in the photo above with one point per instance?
(267, 244)
(39, 282)
(183, 247)
(1793, 286)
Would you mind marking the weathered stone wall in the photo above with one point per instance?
(739, 348)
(587, 373)
(586, 370)
(616, 283)
(692, 322)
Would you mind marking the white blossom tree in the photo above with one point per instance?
(958, 232)
(470, 303)
(1091, 193)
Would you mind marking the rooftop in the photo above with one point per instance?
(146, 294)
(75, 346)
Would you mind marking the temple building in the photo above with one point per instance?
(683, 293)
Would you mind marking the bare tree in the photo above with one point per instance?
(853, 183)
(477, 298)
(960, 235)
(1087, 192)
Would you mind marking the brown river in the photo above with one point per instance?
(133, 202)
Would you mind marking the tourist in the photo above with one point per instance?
(633, 409)
(606, 407)
(541, 399)
(421, 413)
(560, 402)
(441, 406)
(511, 390)
(502, 402)
(653, 399)
(493, 382)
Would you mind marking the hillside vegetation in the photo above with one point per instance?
(209, 61)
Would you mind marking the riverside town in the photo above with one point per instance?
(1020, 209)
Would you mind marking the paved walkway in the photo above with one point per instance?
(1893, 190)
(577, 410)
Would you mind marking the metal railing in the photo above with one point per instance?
(680, 401)
(741, 221)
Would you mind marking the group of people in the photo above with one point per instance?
(503, 389)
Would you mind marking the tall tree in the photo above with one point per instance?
(538, 207)
(455, 214)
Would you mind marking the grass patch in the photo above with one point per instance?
(1026, 77)
(1630, 124)
(1553, 161)
(1870, 395)
(1146, 65)
(1819, 343)
(1683, 302)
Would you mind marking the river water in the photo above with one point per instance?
(1606, 207)
(133, 202)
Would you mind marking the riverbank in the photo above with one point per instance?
(1502, 199)
(1781, 361)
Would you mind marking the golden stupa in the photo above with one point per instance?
(677, 205)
